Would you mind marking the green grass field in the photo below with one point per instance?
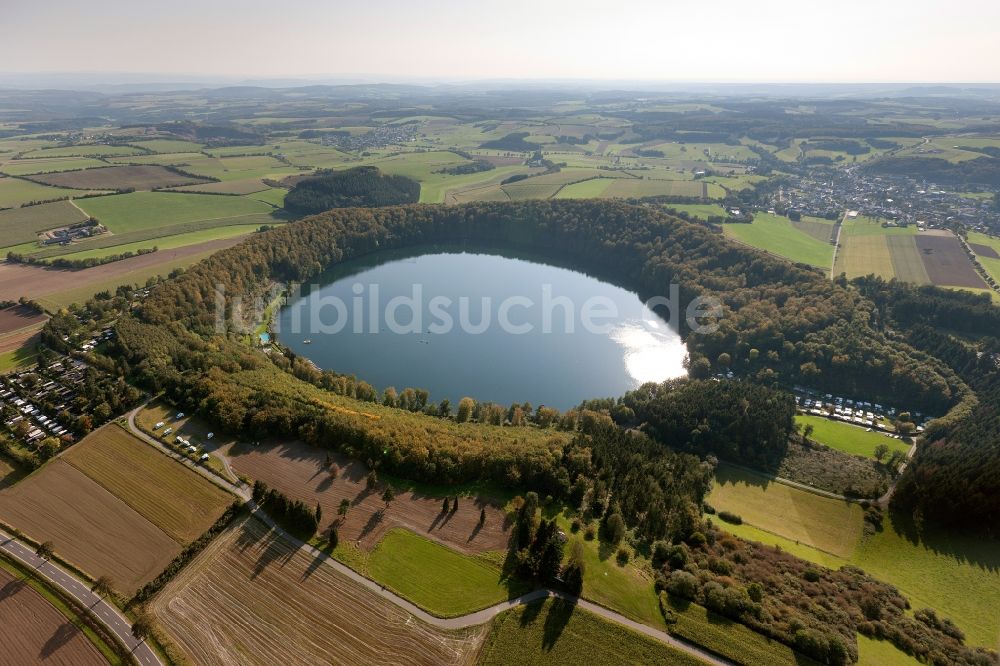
(588, 189)
(872, 652)
(556, 632)
(776, 235)
(436, 578)
(172, 241)
(830, 525)
(124, 213)
(730, 639)
(169, 146)
(849, 438)
(22, 225)
(991, 264)
(907, 263)
(91, 150)
(17, 192)
(274, 196)
(28, 167)
(18, 358)
(701, 211)
(959, 576)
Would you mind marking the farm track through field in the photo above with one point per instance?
(465, 621)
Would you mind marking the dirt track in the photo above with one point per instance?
(18, 280)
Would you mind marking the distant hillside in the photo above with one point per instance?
(362, 186)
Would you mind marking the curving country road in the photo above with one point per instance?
(105, 612)
(469, 620)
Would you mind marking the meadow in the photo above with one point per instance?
(87, 150)
(22, 225)
(137, 211)
(146, 177)
(849, 438)
(990, 263)
(16, 192)
(775, 234)
(436, 578)
(830, 525)
(558, 633)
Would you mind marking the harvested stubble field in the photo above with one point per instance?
(117, 178)
(946, 261)
(32, 631)
(299, 471)
(169, 495)
(251, 598)
(90, 527)
(22, 225)
(907, 264)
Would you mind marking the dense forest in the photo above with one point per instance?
(781, 324)
(954, 478)
(980, 171)
(362, 186)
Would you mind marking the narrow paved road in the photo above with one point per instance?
(105, 612)
(472, 619)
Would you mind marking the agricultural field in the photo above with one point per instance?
(89, 526)
(438, 579)
(775, 234)
(634, 188)
(872, 652)
(88, 150)
(60, 288)
(23, 225)
(271, 603)
(829, 525)
(588, 189)
(849, 438)
(248, 186)
(946, 262)
(701, 211)
(28, 167)
(16, 192)
(240, 168)
(178, 501)
(558, 633)
(987, 249)
(117, 178)
(300, 472)
(139, 211)
(33, 631)
(168, 146)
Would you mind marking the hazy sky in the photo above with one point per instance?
(694, 40)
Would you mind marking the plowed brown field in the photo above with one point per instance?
(32, 631)
(299, 471)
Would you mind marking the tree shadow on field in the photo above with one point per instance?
(11, 589)
(64, 634)
(560, 612)
(373, 521)
(272, 550)
(531, 612)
